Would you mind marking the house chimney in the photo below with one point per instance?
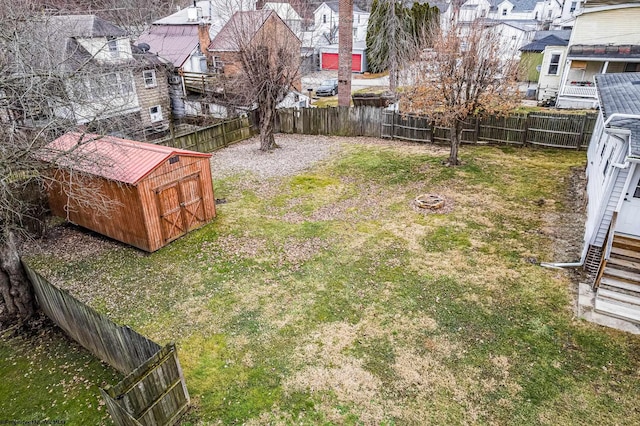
(203, 36)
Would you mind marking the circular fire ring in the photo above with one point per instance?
(429, 201)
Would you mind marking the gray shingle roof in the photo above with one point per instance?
(620, 94)
(539, 45)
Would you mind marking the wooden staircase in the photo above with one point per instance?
(618, 292)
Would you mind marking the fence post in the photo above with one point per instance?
(224, 134)
(581, 136)
(525, 130)
(476, 130)
(393, 124)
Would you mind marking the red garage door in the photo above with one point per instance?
(330, 62)
(356, 63)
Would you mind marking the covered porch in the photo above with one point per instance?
(577, 87)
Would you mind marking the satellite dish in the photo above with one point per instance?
(144, 47)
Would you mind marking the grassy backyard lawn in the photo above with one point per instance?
(324, 297)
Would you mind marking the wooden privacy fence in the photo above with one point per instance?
(154, 391)
(341, 121)
(541, 129)
(211, 138)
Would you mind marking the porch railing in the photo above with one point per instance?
(579, 91)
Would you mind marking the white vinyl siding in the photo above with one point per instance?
(618, 26)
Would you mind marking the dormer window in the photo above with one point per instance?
(504, 12)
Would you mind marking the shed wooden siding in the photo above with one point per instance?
(127, 211)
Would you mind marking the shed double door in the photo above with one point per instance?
(181, 208)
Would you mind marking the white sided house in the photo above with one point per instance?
(612, 231)
(605, 39)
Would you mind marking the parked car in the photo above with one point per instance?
(328, 88)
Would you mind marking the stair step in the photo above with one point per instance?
(625, 242)
(618, 309)
(618, 284)
(625, 252)
(622, 274)
(619, 297)
(626, 262)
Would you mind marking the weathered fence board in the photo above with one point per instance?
(211, 138)
(542, 129)
(120, 347)
(341, 121)
(154, 392)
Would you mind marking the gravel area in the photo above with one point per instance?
(297, 152)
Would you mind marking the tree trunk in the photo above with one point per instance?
(15, 287)
(456, 137)
(267, 141)
(345, 48)
(393, 50)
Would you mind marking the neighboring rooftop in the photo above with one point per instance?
(561, 34)
(604, 51)
(620, 94)
(540, 45)
(333, 5)
(240, 29)
(172, 42)
(112, 158)
(84, 26)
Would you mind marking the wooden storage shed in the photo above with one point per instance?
(156, 193)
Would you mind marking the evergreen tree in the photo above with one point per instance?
(394, 31)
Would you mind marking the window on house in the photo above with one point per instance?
(155, 112)
(504, 12)
(536, 15)
(573, 6)
(632, 67)
(149, 77)
(358, 19)
(483, 13)
(609, 161)
(513, 37)
(355, 32)
(324, 19)
(549, 14)
(636, 193)
(112, 46)
(126, 84)
(554, 64)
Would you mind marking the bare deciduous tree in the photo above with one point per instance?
(48, 85)
(262, 64)
(466, 73)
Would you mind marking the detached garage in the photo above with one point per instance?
(154, 193)
(329, 58)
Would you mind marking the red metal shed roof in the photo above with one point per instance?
(112, 158)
